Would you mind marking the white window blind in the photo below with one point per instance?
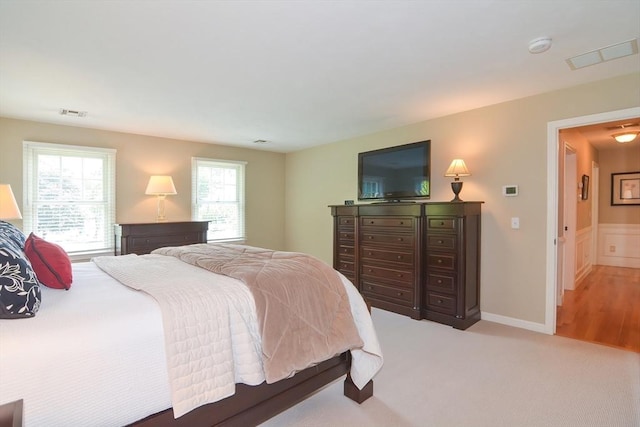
(69, 195)
(218, 196)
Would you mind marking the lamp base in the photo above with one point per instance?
(456, 186)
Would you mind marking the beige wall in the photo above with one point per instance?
(140, 156)
(585, 156)
(616, 161)
(501, 144)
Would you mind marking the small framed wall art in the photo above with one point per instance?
(625, 188)
(585, 187)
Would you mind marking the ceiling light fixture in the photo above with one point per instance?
(625, 137)
(539, 45)
(626, 132)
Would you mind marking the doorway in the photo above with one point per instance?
(555, 263)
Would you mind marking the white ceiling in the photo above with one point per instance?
(294, 73)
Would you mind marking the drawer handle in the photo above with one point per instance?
(440, 241)
(401, 222)
(439, 261)
(372, 222)
(370, 288)
(400, 239)
(146, 240)
(439, 301)
(369, 253)
(400, 294)
(439, 281)
(370, 271)
(370, 237)
(400, 275)
(441, 222)
(399, 256)
(345, 251)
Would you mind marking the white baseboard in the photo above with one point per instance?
(511, 321)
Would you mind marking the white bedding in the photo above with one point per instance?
(97, 354)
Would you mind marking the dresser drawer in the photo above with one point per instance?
(401, 277)
(397, 257)
(441, 282)
(346, 222)
(437, 260)
(442, 241)
(382, 221)
(441, 303)
(346, 266)
(346, 236)
(369, 237)
(382, 291)
(346, 250)
(442, 223)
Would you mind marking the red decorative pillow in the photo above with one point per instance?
(49, 261)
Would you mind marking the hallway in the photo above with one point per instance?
(604, 308)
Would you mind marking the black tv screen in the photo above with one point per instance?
(395, 173)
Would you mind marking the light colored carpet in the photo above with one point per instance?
(489, 375)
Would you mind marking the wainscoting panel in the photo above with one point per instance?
(584, 260)
(619, 245)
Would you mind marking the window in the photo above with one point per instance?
(218, 196)
(70, 195)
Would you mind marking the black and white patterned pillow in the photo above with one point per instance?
(12, 233)
(19, 286)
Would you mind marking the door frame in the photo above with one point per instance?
(553, 141)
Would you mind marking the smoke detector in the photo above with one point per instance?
(539, 45)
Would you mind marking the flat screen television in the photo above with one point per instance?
(396, 173)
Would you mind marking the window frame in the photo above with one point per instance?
(31, 151)
(240, 167)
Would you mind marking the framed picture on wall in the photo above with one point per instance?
(585, 187)
(625, 188)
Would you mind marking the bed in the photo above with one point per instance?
(97, 354)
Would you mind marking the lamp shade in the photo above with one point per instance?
(457, 168)
(160, 184)
(625, 137)
(8, 206)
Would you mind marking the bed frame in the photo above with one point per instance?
(252, 405)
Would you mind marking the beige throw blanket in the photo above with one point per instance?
(303, 310)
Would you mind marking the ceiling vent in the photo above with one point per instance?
(615, 51)
(72, 113)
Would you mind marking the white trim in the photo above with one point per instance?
(54, 146)
(584, 254)
(625, 238)
(511, 321)
(553, 129)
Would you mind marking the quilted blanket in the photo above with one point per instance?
(303, 310)
(211, 333)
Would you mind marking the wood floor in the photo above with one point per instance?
(604, 308)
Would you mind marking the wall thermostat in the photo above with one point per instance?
(510, 190)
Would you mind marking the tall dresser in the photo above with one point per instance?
(417, 259)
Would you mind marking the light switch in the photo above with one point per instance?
(515, 222)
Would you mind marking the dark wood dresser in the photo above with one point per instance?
(143, 238)
(417, 259)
